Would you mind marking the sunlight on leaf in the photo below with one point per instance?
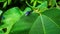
(9, 1)
(1, 12)
(5, 4)
(11, 16)
(42, 7)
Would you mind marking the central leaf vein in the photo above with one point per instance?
(43, 24)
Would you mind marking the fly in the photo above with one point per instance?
(28, 13)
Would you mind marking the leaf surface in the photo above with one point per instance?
(24, 23)
(44, 25)
(11, 16)
(47, 23)
(54, 14)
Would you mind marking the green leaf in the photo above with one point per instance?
(1, 12)
(49, 2)
(11, 17)
(5, 4)
(44, 25)
(32, 1)
(1, 32)
(24, 23)
(52, 2)
(47, 23)
(9, 1)
(54, 14)
(42, 7)
(27, 9)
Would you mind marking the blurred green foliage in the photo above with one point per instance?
(29, 16)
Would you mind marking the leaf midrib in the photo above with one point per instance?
(50, 20)
(43, 24)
